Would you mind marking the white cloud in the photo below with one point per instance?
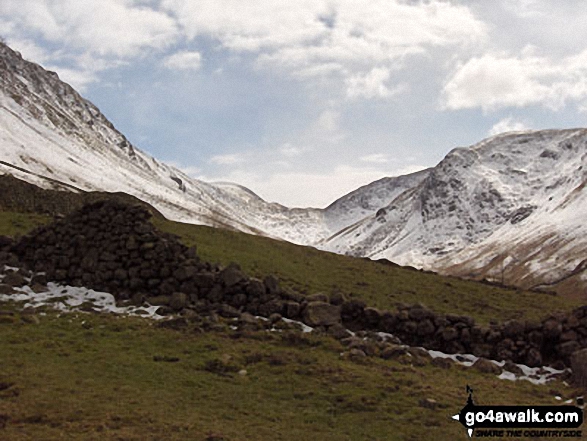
(78, 79)
(107, 28)
(375, 158)
(358, 41)
(184, 60)
(508, 125)
(494, 81)
(290, 151)
(372, 85)
(229, 159)
(28, 49)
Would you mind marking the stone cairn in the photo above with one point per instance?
(111, 246)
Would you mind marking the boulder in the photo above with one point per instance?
(14, 279)
(321, 314)
(486, 366)
(318, 297)
(231, 275)
(425, 327)
(6, 289)
(178, 301)
(513, 328)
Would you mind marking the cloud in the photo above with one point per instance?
(375, 158)
(372, 85)
(356, 42)
(29, 49)
(291, 151)
(229, 159)
(184, 60)
(495, 81)
(507, 125)
(78, 79)
(109, 27)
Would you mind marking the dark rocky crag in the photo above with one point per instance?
(111, 246)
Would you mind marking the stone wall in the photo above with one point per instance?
(112, 246)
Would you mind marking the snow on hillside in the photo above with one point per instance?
(518, 196)
(48, 130)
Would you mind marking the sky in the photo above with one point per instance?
(303, 102)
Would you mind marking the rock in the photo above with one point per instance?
(449, 333)
(245, 317)
(228, 311)
(231, 275)
(388, 322)
(568, 336)
(567, 348)
(357, 353)
(184, 273)
(552, 329)
(14, 280)
(533, 358)
(513, 329)
(271, 284)
(337, 298)
(391, 351)
(352, 341)
(513, 368)
(274, 318)
(159, 300)
(579, 368)
(444, 363)
(425, 327)
(321, 314)
(6, 289)
(255, 288)
(338, 331)
(352, 309)
(318, 297)
(292, 309)
(418, 352)
(428, 403)
(419, 312)
(178, 301)
(372, 317)
(5, 242)
(486, 366)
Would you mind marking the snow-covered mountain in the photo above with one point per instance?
(49, 133)
(510, 208)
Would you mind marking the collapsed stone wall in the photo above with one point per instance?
(112, 246)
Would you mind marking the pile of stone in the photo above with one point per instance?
(551, 341)
(111, 246)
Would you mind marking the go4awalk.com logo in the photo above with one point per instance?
(520, 421)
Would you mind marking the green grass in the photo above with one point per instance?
(93, 377)
(309, 270)
(16, 224)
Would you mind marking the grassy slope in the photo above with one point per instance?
(90, 377)
(380, 285)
